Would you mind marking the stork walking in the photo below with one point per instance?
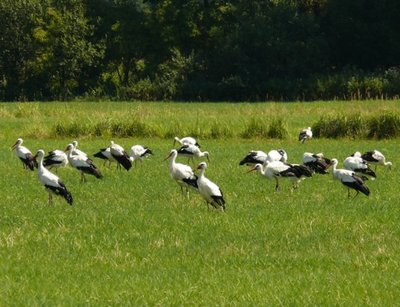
(305, 134)
(316, 162)
(181, 173)
(192, 151)
(349, 179)
(188, 140)
(84, 165)
(52, 182)
(105, 154)
(25, 155)
(211, 193)
(119, 154)
(277, 169)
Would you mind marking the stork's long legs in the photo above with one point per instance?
(50, 198)
(277, 184)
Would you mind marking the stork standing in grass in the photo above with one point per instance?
(305, 134)
(55, 159)
(377, 158)
(316, 162)
(358, 165)
(181, 173)
(77, 151)
(211, 193)
(119, 154)
(191, 152)
(188, 140)
(349, 179)
(25, 155)
(138, 153)
(257, 156)
(105, 154)
(51, 182)
(277, 169)
(84, 165)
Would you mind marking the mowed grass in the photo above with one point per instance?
(134, 239)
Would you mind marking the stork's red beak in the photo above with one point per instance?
(251, 170)
(15, 145)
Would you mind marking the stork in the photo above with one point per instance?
(139, 152)
(51, 182)
(377, 158)
(211, 193)
(55, 158)
(76, 151)
(192, 151)
(84, 165)
(349, 179)
(181, 173)
(188, 140)
(119, 154)
(276, 169)
(25, 155)
(105, 154)
(316, 162)
(358, 165)
(257, 156)
(305, 134)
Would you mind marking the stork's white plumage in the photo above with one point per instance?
(105, 154)
(276, 169)
(76, 151)
(188, 140)
(305, 134)
(84, 165)
(316, 162)
(55, 159)
(277, 155)
(358, 165)
(139, 152)
(211, 193)
(192, 151)
(52, 182)
(349, 179)
(377, 158)
(119, 154)
(181, 173)
(25, 155)
(257, 156)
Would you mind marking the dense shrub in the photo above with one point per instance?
(384, 126)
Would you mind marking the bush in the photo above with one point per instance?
(340, 126)
(384, 126)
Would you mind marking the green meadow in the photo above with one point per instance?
(132, 238)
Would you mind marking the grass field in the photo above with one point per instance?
(134, 239)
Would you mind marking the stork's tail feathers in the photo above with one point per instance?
(219, 200)
(124, 161)
(192, 182)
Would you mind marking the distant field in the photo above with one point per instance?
(132, 238)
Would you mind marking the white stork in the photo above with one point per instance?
(192, 151)
(257, 156)
(358, 165)
(139, 152)
(276, 169)
(377, 158)
(305, 134)
(55, 158)
(105, 154)
(181, 173)
(349, 179)
(119, 154)
(25, 155)
(316, 162)
(188, 140)
(211, 193)
(51, 182)
(84, 165)
(76, 151)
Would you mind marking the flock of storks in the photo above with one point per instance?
(272, 165)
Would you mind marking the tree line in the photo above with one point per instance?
(199, 49)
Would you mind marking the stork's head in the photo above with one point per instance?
(75, 144)
(202, 165)
(207, 155)
(69, 148)
(173, 153)
(17, 143)
(40, 154)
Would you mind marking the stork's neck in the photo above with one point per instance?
(201, 175)
(40, 164)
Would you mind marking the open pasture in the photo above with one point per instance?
(133, 238)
